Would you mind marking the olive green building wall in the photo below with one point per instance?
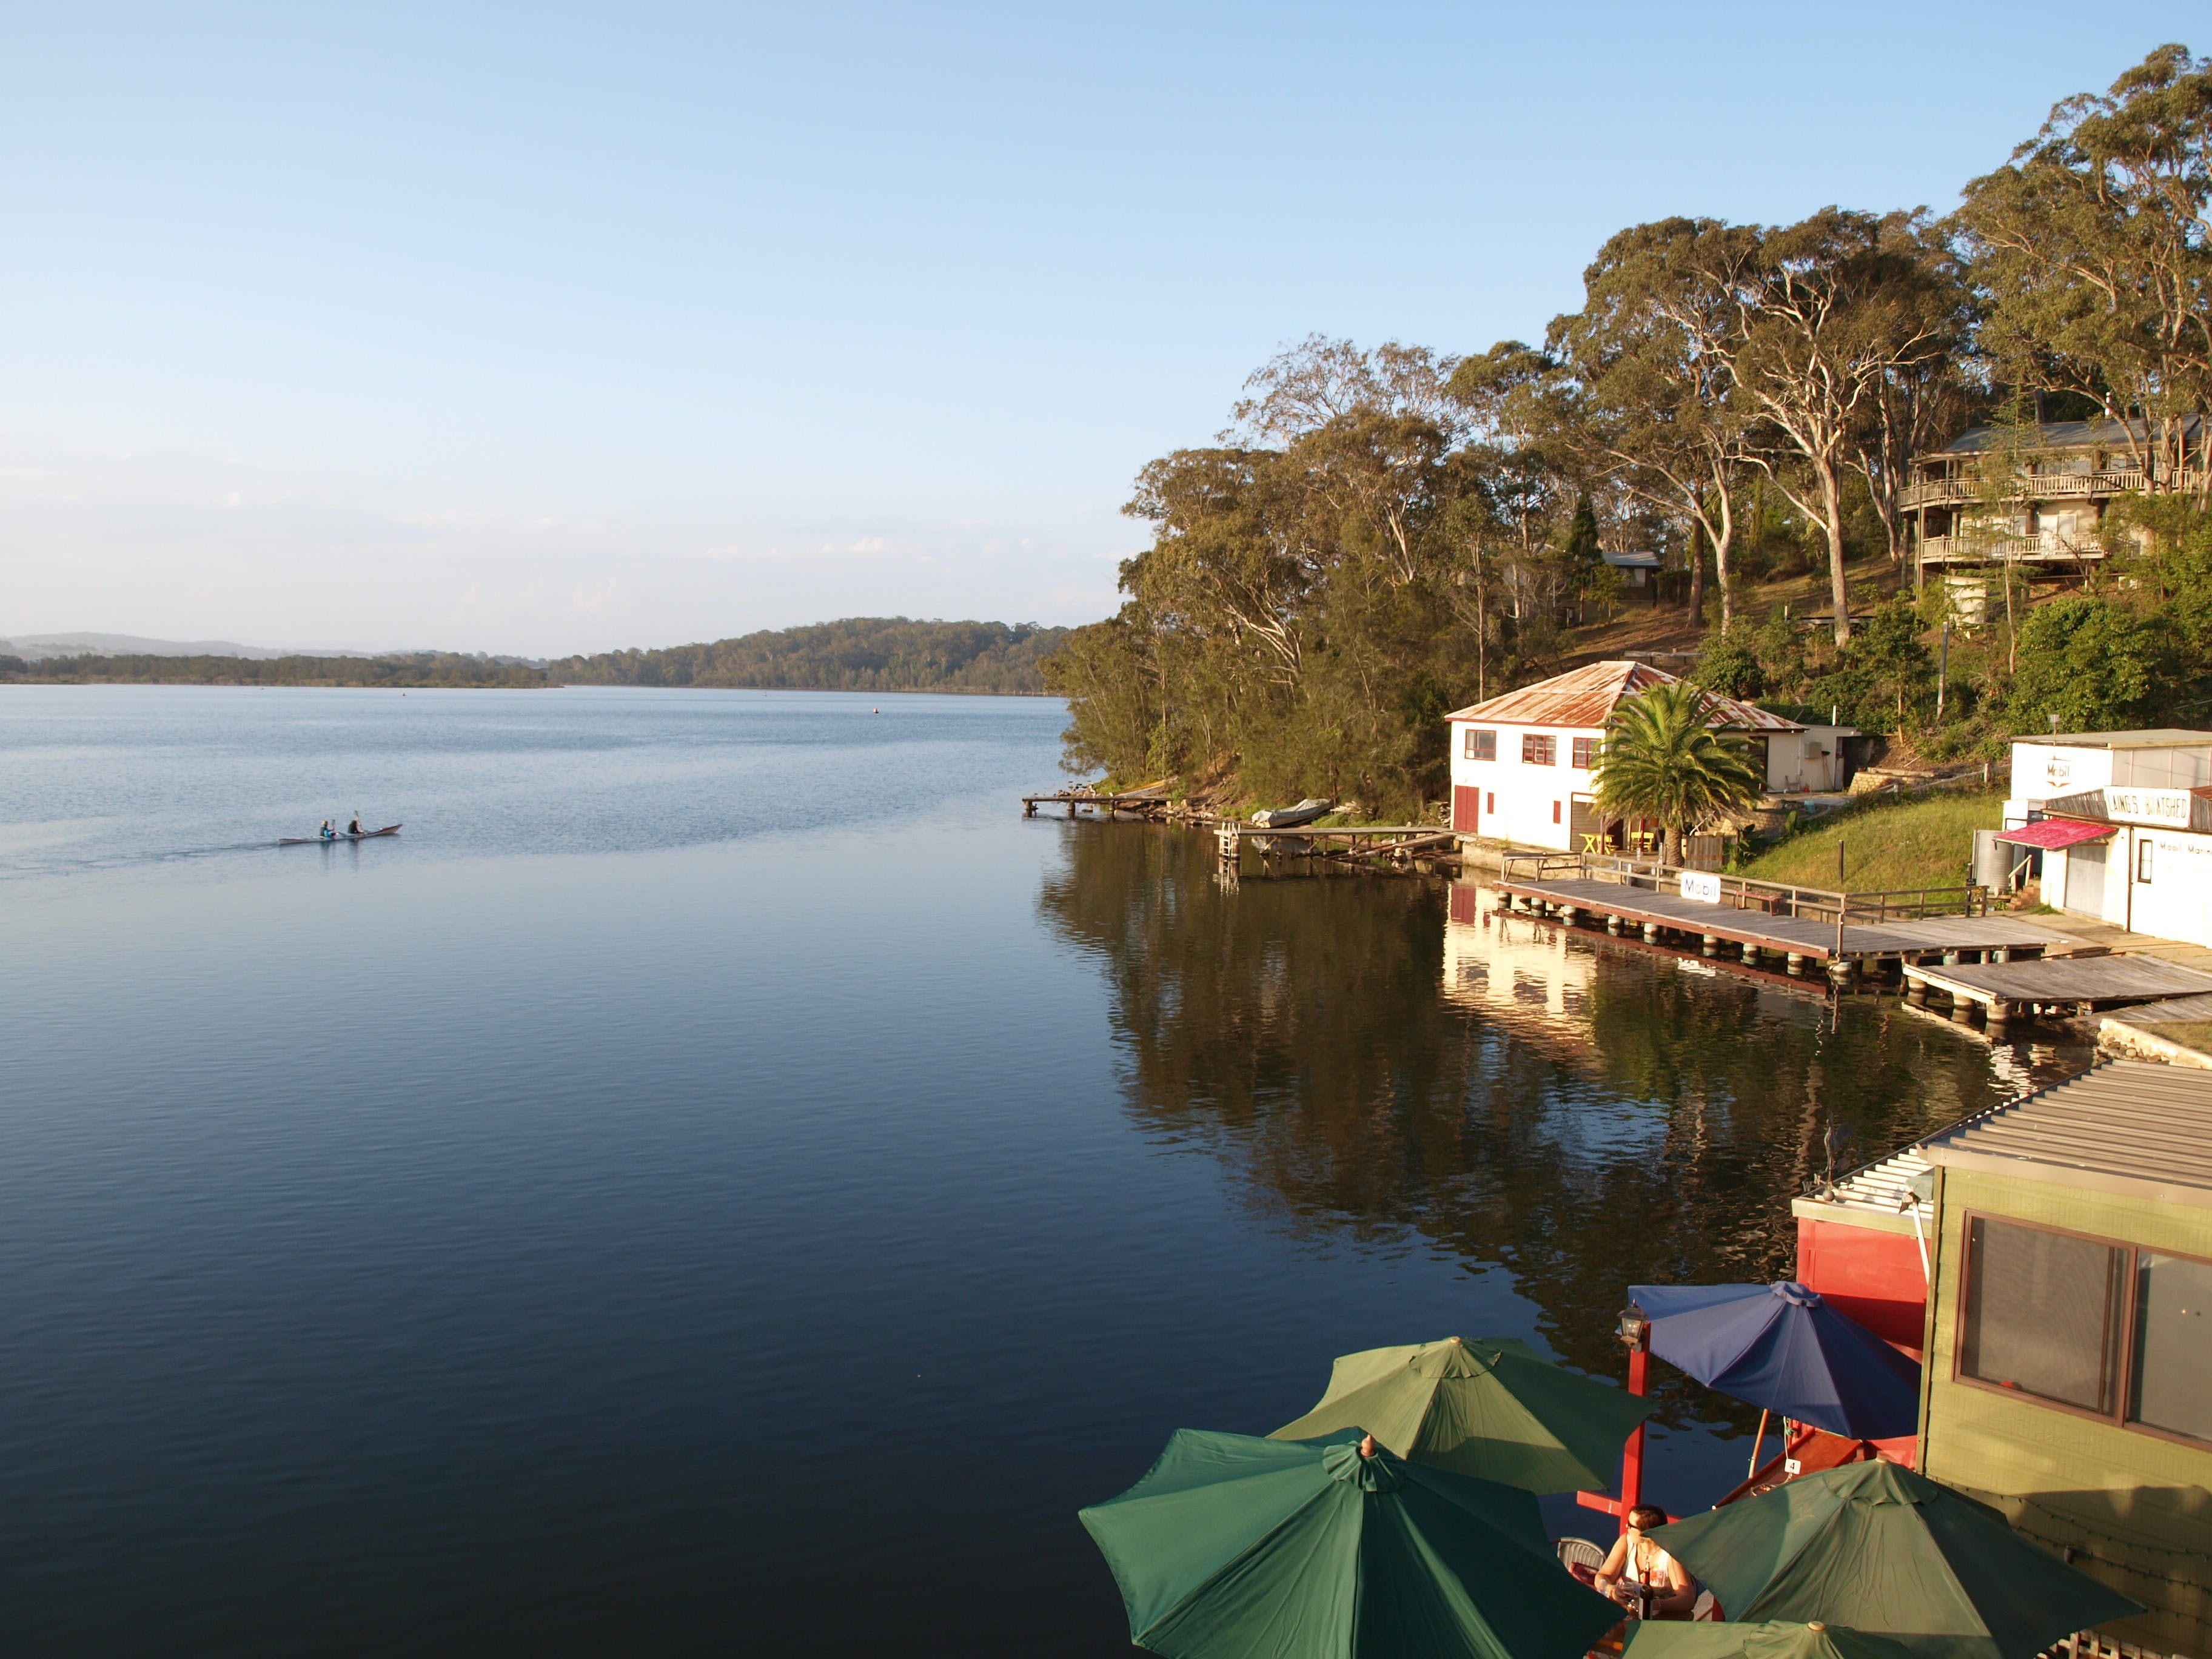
(2135, 1509)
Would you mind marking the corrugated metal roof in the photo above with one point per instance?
(1879, 1191)
(1586, 697)
(2053, 434)
(2127, 1127)
(2169, 736)
(2055, 832)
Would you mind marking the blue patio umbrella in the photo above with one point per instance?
(1781, 1347)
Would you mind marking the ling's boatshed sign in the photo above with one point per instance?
(2169, 807)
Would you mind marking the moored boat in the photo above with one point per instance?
(1288, 817)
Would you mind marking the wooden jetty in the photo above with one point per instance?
(1392, 843)
(1848, 933)
(2071, 984)
(1150, 802)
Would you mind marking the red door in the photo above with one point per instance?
(1466, 810)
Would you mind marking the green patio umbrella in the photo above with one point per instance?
(1491, 1407)
(1267, 1549)
(1670, 1639)
(1882, 1550)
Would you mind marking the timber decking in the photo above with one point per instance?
(2065, 979)
(1797, 936)
(1149, 803)
(2181, 1010)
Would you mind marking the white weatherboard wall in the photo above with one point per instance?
(1809, 761)
(2175, 903)
(2105, 880)
(1521, 800)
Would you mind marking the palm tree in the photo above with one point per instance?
(1663, 760)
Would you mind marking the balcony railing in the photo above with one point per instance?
(2044, 547)
(2032, 486)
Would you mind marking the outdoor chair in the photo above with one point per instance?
(1580, 1557)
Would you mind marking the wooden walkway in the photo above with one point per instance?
(1232, 835)
(1834, 938)
(2073, 983)
(1144, 802)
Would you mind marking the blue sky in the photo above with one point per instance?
(547, 328)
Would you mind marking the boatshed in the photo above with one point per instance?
(2046, 768)
(2070, 1333)
(2138, 857)
(1522, 762)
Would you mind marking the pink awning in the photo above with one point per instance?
(2055, 832)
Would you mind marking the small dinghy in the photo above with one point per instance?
(313, 841)
(1288, 817)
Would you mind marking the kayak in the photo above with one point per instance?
(310, 841)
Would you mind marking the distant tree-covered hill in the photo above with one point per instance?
(860, 653)
(399, 670)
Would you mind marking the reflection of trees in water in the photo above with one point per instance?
(1656, 1131)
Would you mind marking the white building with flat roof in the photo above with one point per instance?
(1521, 763)
(2121, 822)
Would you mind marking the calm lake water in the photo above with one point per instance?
(721, 1178)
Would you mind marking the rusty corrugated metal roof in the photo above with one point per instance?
(1586, 697)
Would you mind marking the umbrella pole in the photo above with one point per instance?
(1757, 1440)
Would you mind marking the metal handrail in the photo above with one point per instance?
(1748, 892)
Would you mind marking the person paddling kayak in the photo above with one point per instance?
(329, 834)
(354, 828)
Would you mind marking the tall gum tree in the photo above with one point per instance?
(1829, 313)
(2092, 250)
(1922, 394)
(1642, 377)
(1524, 471)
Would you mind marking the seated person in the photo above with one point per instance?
(1638, 1561)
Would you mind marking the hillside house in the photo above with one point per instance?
(2042, 507)
(1521, 763)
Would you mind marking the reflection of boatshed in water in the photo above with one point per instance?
(2068, 1375)
(1497, 961)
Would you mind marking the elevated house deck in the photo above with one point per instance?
(2035, 501)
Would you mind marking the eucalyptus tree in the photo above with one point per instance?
(1832, 310)
(1922, 393)
(1287, 615)
(1529, 472)
(2092, 247)
(1642, 377)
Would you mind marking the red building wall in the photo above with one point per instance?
(1872, 1275)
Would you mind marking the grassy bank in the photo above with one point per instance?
(1915, 843)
